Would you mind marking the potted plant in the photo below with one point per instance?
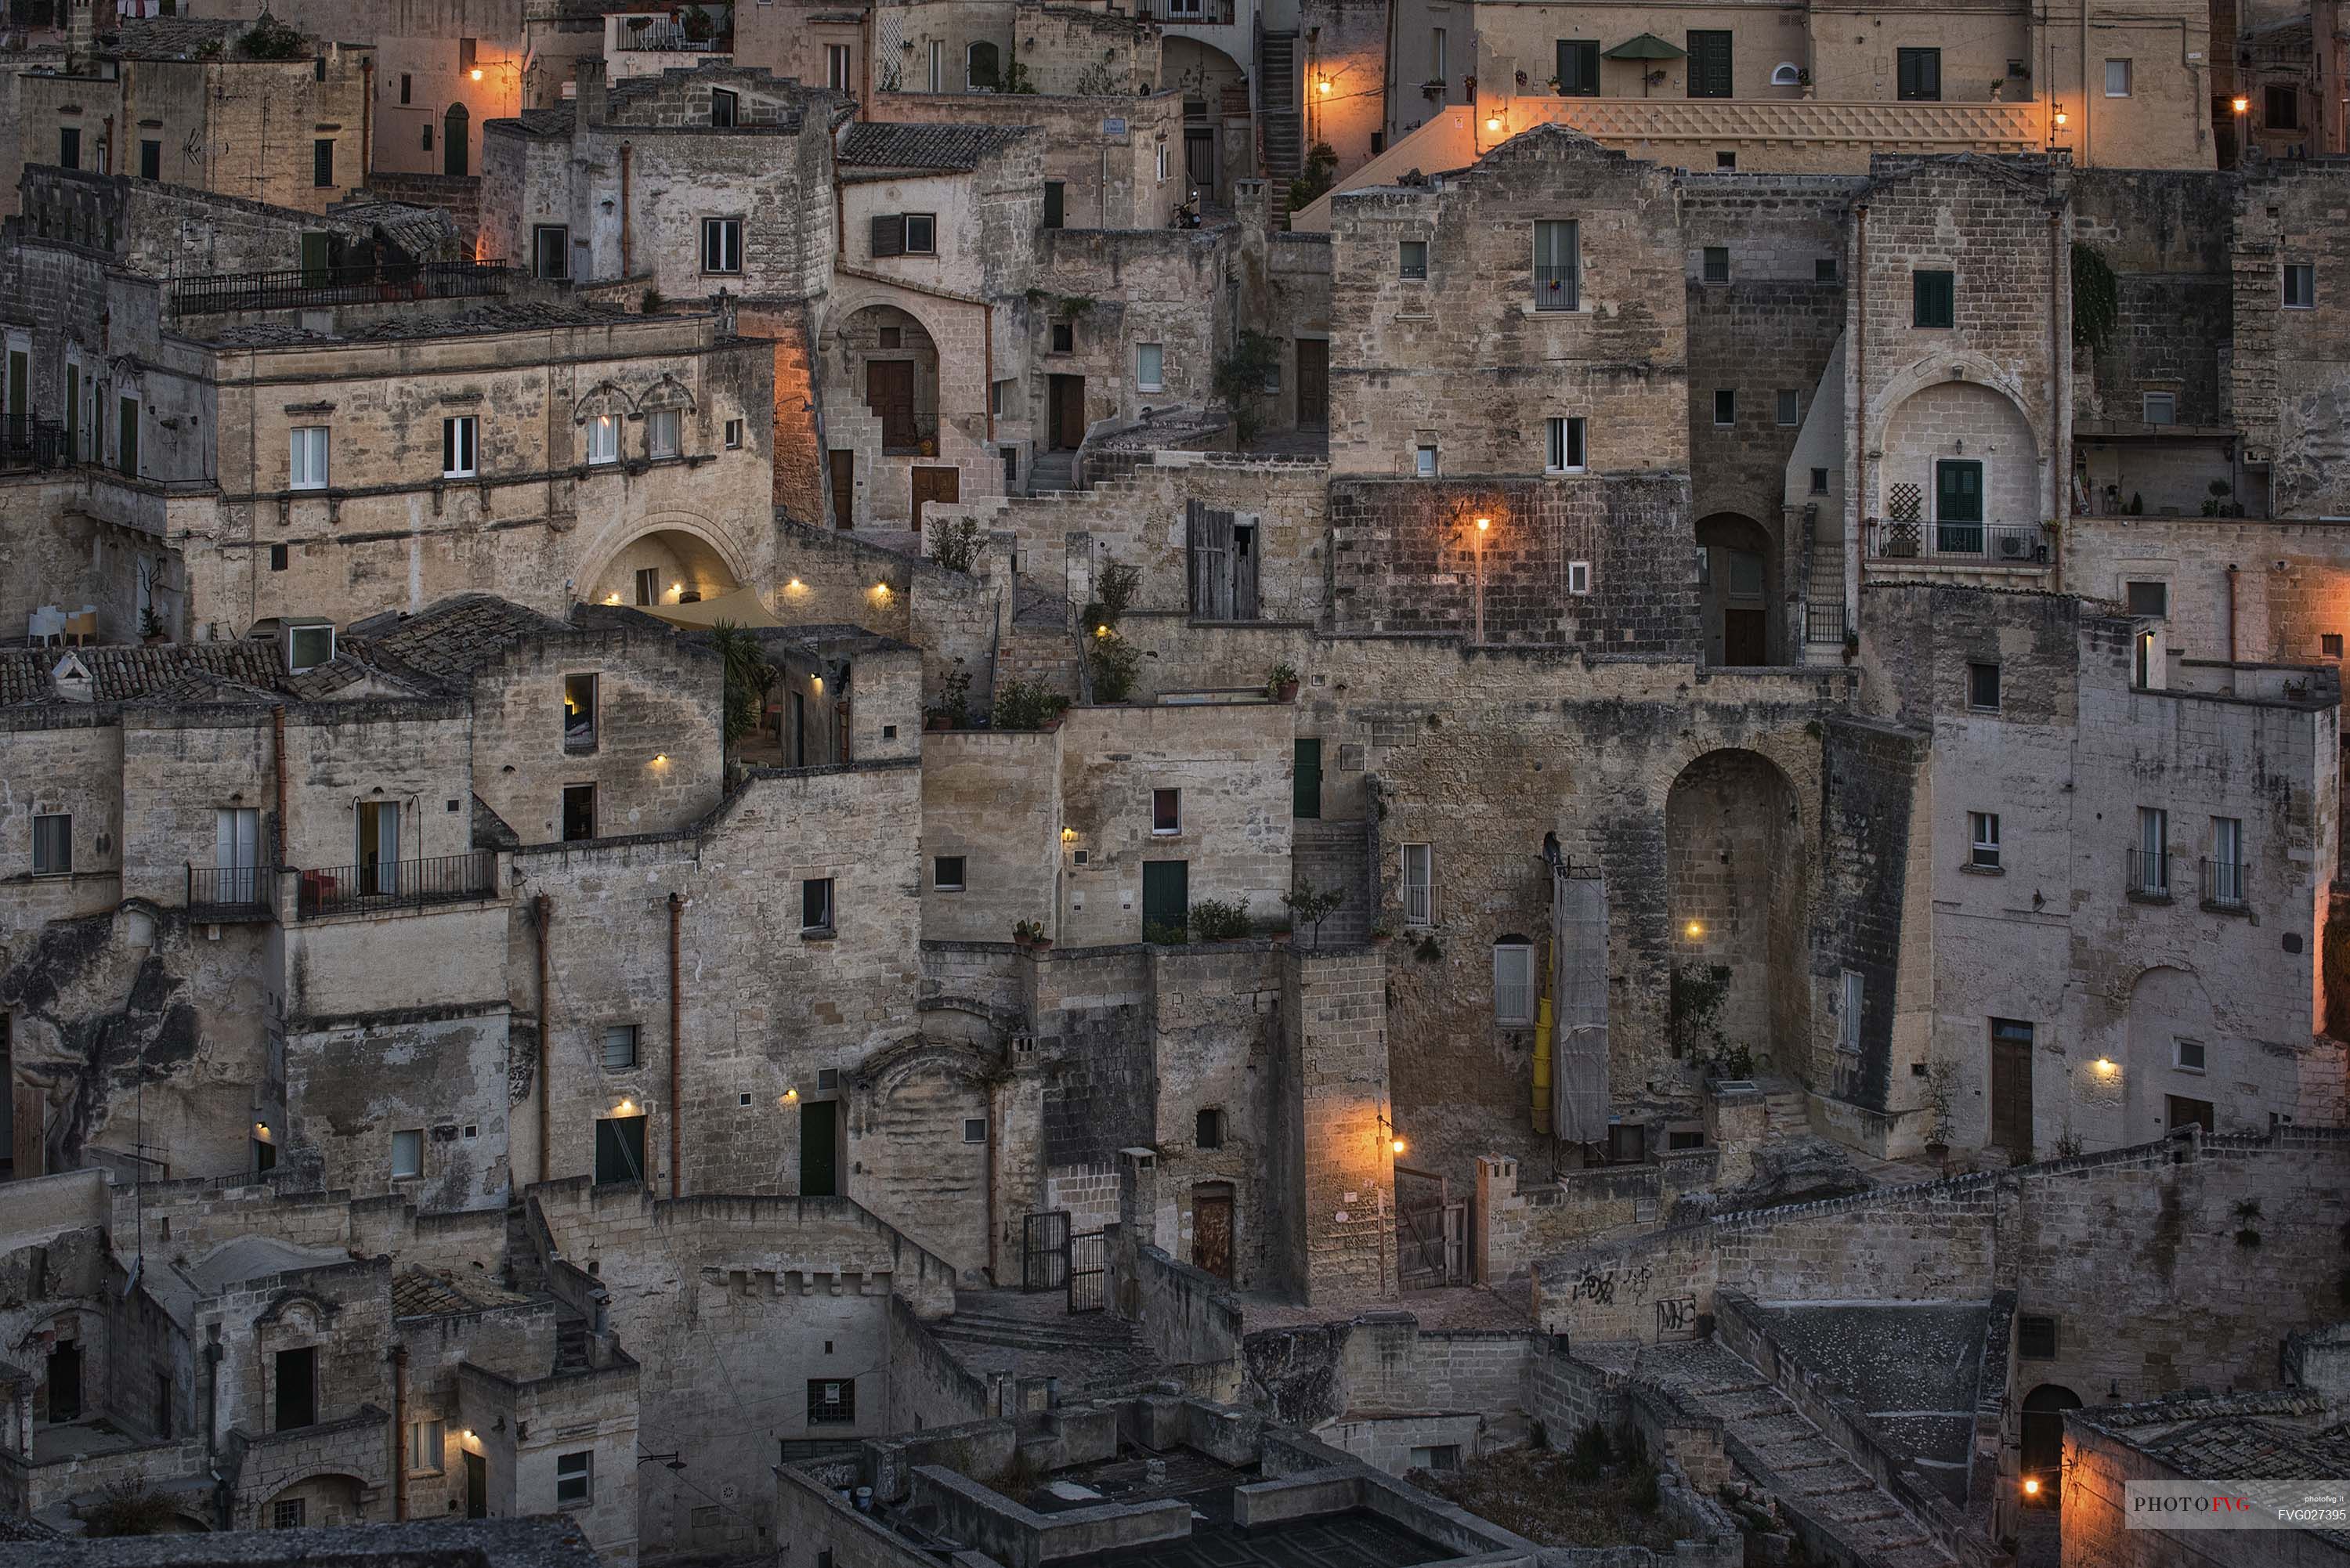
(1220, 920)
(1851, 646)
(1432, 88)
(1029, 936)
(1941, 1103)
(1998, 88)
(1281, 685)
(152, 630)
(1803, 83)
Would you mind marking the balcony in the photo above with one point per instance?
(1182, 13)
(658, 35)
(2224, 884)
(2149, 876)
(229, 895)
(2025, 546)
(1557, 289)
(296, 288)
(27, 442)
(390, 887)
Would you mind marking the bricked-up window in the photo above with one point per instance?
(723, 108)
(1166, 811)
(322, 162)
(307, 465)
(550, 249)
(1918, 75)
(2149, 599)
(1982, 834)
(619, 1048)
(1411, 260)
(1717, 264)
(662, 433)
(831, 1401)
(1513, 982)
(1563, 444)
(69, 146)
(1982, 688)
(2035, 1338)
(1208, 1129)
(575, 1479)
(1725, 406)
(1558, 266)
(1790, 410)
(815, 904)
(2118, 78)
(460, 446)
(2280, 108)
(604, 441)
(946, 873)
(1579, 68)
(407, 1154)
(1933, 299)
(53, 845)
(722, 244)
(1855, 992)
(2300, 286)
(1419, 883)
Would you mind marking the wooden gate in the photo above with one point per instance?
(1044, 1252)
(1088, 1271)
(1432, 1245)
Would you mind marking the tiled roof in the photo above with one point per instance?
(447, 642)
(417, 1293)
(510, 315)
(554, 123)
(120, 674)
(173, 37)
(874, 146)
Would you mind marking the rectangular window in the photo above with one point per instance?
(836, 68)
(1419, 883)
(1563, 445)
(278, 557)
(1579, 577)
(974, 1129)
(2150, 871)
(604, 438)
(289, 1514)
(922, 234)
(579, 812)
(1166, 811)
(722, 244)
(426, 1445)
(1437, 1456)
(2329, 645)
(1725, 160)
(1057, 203)
(2223, 882)
(2035, 1339)
(661, 432)
(151, 161)
(1982, 688)
(649, 588)
(579, 713)
(733, 435)
(308, 468)
(2281, 106)
(1064, 338)
(407, 1154)
(575, 1479)
(2149, 599)
(407, 87)
(938, 60)
(1824, 270)
(2160, 407)
(1919, 75)
(815, 904)
(1437, 58)
(1725, 406)
(1717, 264)
(1149, 366)
(1933, 299)
(322, 162)
(1579, 68)
(2118, 78)
(69, 146)
(831, 1401)
(1514, 984)
(2180, 1112)
(2300, 286)
(1983, 830)
(1411, 259)
(619, 1148)
(619, 1048)
(1819, 482)
(2187, 1056)
(550, 247)
(724, 106)
(1423, 462)
(1790, 410)
(460, 446)
(52, 844)
(946, 873)
(1854, 991)
(1558, 279)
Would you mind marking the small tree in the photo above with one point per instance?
(749, 677)
(1240, 381)
(1115, 664)
(1309, 906)
(1321, 171)
(1027, 705)
(957, 546)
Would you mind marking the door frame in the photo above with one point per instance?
(1323, 345)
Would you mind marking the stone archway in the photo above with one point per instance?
(920, 1131)
(328, 1498)
(1960, 461)
(2041, 1455)
(1738, 591)
(1737, 869)
(2176, 1059)
(661, 565)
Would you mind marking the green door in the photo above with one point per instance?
(315, 272)
(126, 444)
(1166, 895)
(1959, 508)
(73, 413)
(620, 1148)
(819, 1149)
(1306, 780)
(1709, 64)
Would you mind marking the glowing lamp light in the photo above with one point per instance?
(660, 759)
(611, 598)
(467, 1433)
(1323, 87)
(2032, 1486)
(2062, 119)
(791, 1097)
(817, 681)
(2105, 1067)
(2240, 104)
(1694, 929)
(1395, 1144)
(1068, 835)
(1493, 122)
(477, 73)
(261, 1128)
(1483, 523)
(1101, 631)
(626, 1106)
(794, 582)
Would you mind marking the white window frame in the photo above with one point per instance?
(2201, 1066)
(1157, 831)
(1513, 1010)
(1983, 841)
(974, 1129)
(2128, 77)
(1418, 868)
(721, 246)
(839, 67)
(1566, 444)
(1579, 577)
(1149, 378)
(2304, 272)
(603, 438)
(309, 451)
(733, 435)
(427, 1448)
(460, 446)
(664, 432)
(929, 221)
(938, 57)
(1424, 460)
(414, 1146)
(1162, 163)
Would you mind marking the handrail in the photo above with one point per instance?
(219, 895)
(298, 288)
(388, 885)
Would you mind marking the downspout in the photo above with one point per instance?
(367, 120)
(398, 1433)
(212, 1395)
(1858, 499)
(2088, 158)
(987, 392)
(277, 758)
(994, 1106)
(2231, 612)
(2060, 381)
(676, 1057)
(628, 252)
(542, 907)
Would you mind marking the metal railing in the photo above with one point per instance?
(218, 895)
(28, 442)
(1987, 544)
(1558, 288)
(299, 288)
(2224, 883)
(669, 38)
(2149, 876)
(1824, 622)
(388, 886)
(1198, 13)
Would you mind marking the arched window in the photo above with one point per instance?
(1785, 74)
(980, 71)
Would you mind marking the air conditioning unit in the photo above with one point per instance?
(2012, 546)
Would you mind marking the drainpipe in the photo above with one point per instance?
(994, 1106)
(628, 154)
(676, 1067)
(278, 750)
(987, 339)
(367, 118)
(1855, 502)
(211, 1394)
(398, 1433)
(2060, 381)
(2231, 612)
(542, 907)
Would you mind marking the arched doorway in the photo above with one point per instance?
(1738, 598)
(2042, 1447)
(981, 71)
(2176, 1058)
(1737, 865)
(663, 567)
(1203, 73)
(456, 139)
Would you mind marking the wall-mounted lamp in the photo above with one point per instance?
(791, 1097)
(611, 598)
(1493, 122)
(625, 1107)
(2241, 104)
(2106, 1067)
(2063, 119)
(2032, 1486)
(477, 73)
(1323, 87)
(1069, 835)
(1483, 523)
(796, 585)
(1101, 631)
(660, 759)
(1694, 930)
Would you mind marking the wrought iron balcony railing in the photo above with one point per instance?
(389, 885)
(304, 288)
(221, 895)
(2024, 545)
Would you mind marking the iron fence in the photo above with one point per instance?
(301, 287)
(28, 442)
(391, 885)
(1988, 544)
(1824, 622)
(2149, 875)
(2223, 883)
(1198, 13)
(1088, 1271)
(1557, 289)
(218, 895)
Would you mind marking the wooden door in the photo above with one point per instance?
(477, 1487)
(819, 1157)
(890, 393)
(317, 260)
(934, 485)
(844, 487)
(1065, 411)
(1244, 581)
(456, 139)
(1200, 158)
(1709, 64)
(1166, 894)
(2011, 1091)
(1212, 1230)
(1313, 383)
(1741, 637)
(65, 1381)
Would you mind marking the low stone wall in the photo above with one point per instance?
(1187, 1315)
(927, 1386)
(1020, 1537)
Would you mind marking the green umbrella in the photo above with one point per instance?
(1645, 46)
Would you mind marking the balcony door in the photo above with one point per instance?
(1709, 64)
(378, 858)
(1959, 508)
(237, 851)
(890, 393)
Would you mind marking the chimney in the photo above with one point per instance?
(588, 95)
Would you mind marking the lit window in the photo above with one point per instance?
(575, 1479)
(1419, 883)
(460, 446)
(1983, 829)
(407, 1154)
(309, 461)
(620, 1046)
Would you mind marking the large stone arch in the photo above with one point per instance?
(1737, 897)
(708, 559)
(328, 1496)
(870, 459)
(1956, 410)
(909, 1131)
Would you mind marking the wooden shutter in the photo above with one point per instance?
(889, 234)
(1211, 543)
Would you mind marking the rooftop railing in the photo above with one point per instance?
(296, 288)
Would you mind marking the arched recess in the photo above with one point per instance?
(1960, 457)
(2043, 1437)
(2176, 1057)
(1738, 591)
(926, 1104)
(891, 364)
(1738, 893)
(456, 141)
(326, 1498)
(983, 68)
(687, 559)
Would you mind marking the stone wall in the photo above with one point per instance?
(2286, 367)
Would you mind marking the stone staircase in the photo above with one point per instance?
(571, 1344)
(1052, 470)
(1786, 1110)
(521, 1271)
(1281, 126)
(1036, 1335)
(1786, 1454)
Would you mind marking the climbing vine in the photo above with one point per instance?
(2097, 301)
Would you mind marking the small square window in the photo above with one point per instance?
(1790, 409)
(831, 1401)
(1982, 687)
(407, 1154)
(1725, 407)
(2187, 1056)
(575, 1479)
(1983, 829)
(473, 1131)
(1725, 160)
(733, 435)
(1166, 811)
(815, 904)
(2148, 598)
(974, 1129)
(2300, 286)
(1064, 338)
(1824, 270)
(2160, 407)
(743, 1099)
(1579, 577)
(1411, 259)
(1208, 1129)
(2035, 1339)
(289, 1514)
(619, 1048)
(2329, 644)
(1717, 264)
(1819, 482)
(1423, 462)
(2118, 78)
(946, 873)
(922, 234)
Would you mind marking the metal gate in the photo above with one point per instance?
(1432, 1245)
(1088, 1263)
(1044, 1252)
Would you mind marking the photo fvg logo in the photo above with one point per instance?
(2237, 1505)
